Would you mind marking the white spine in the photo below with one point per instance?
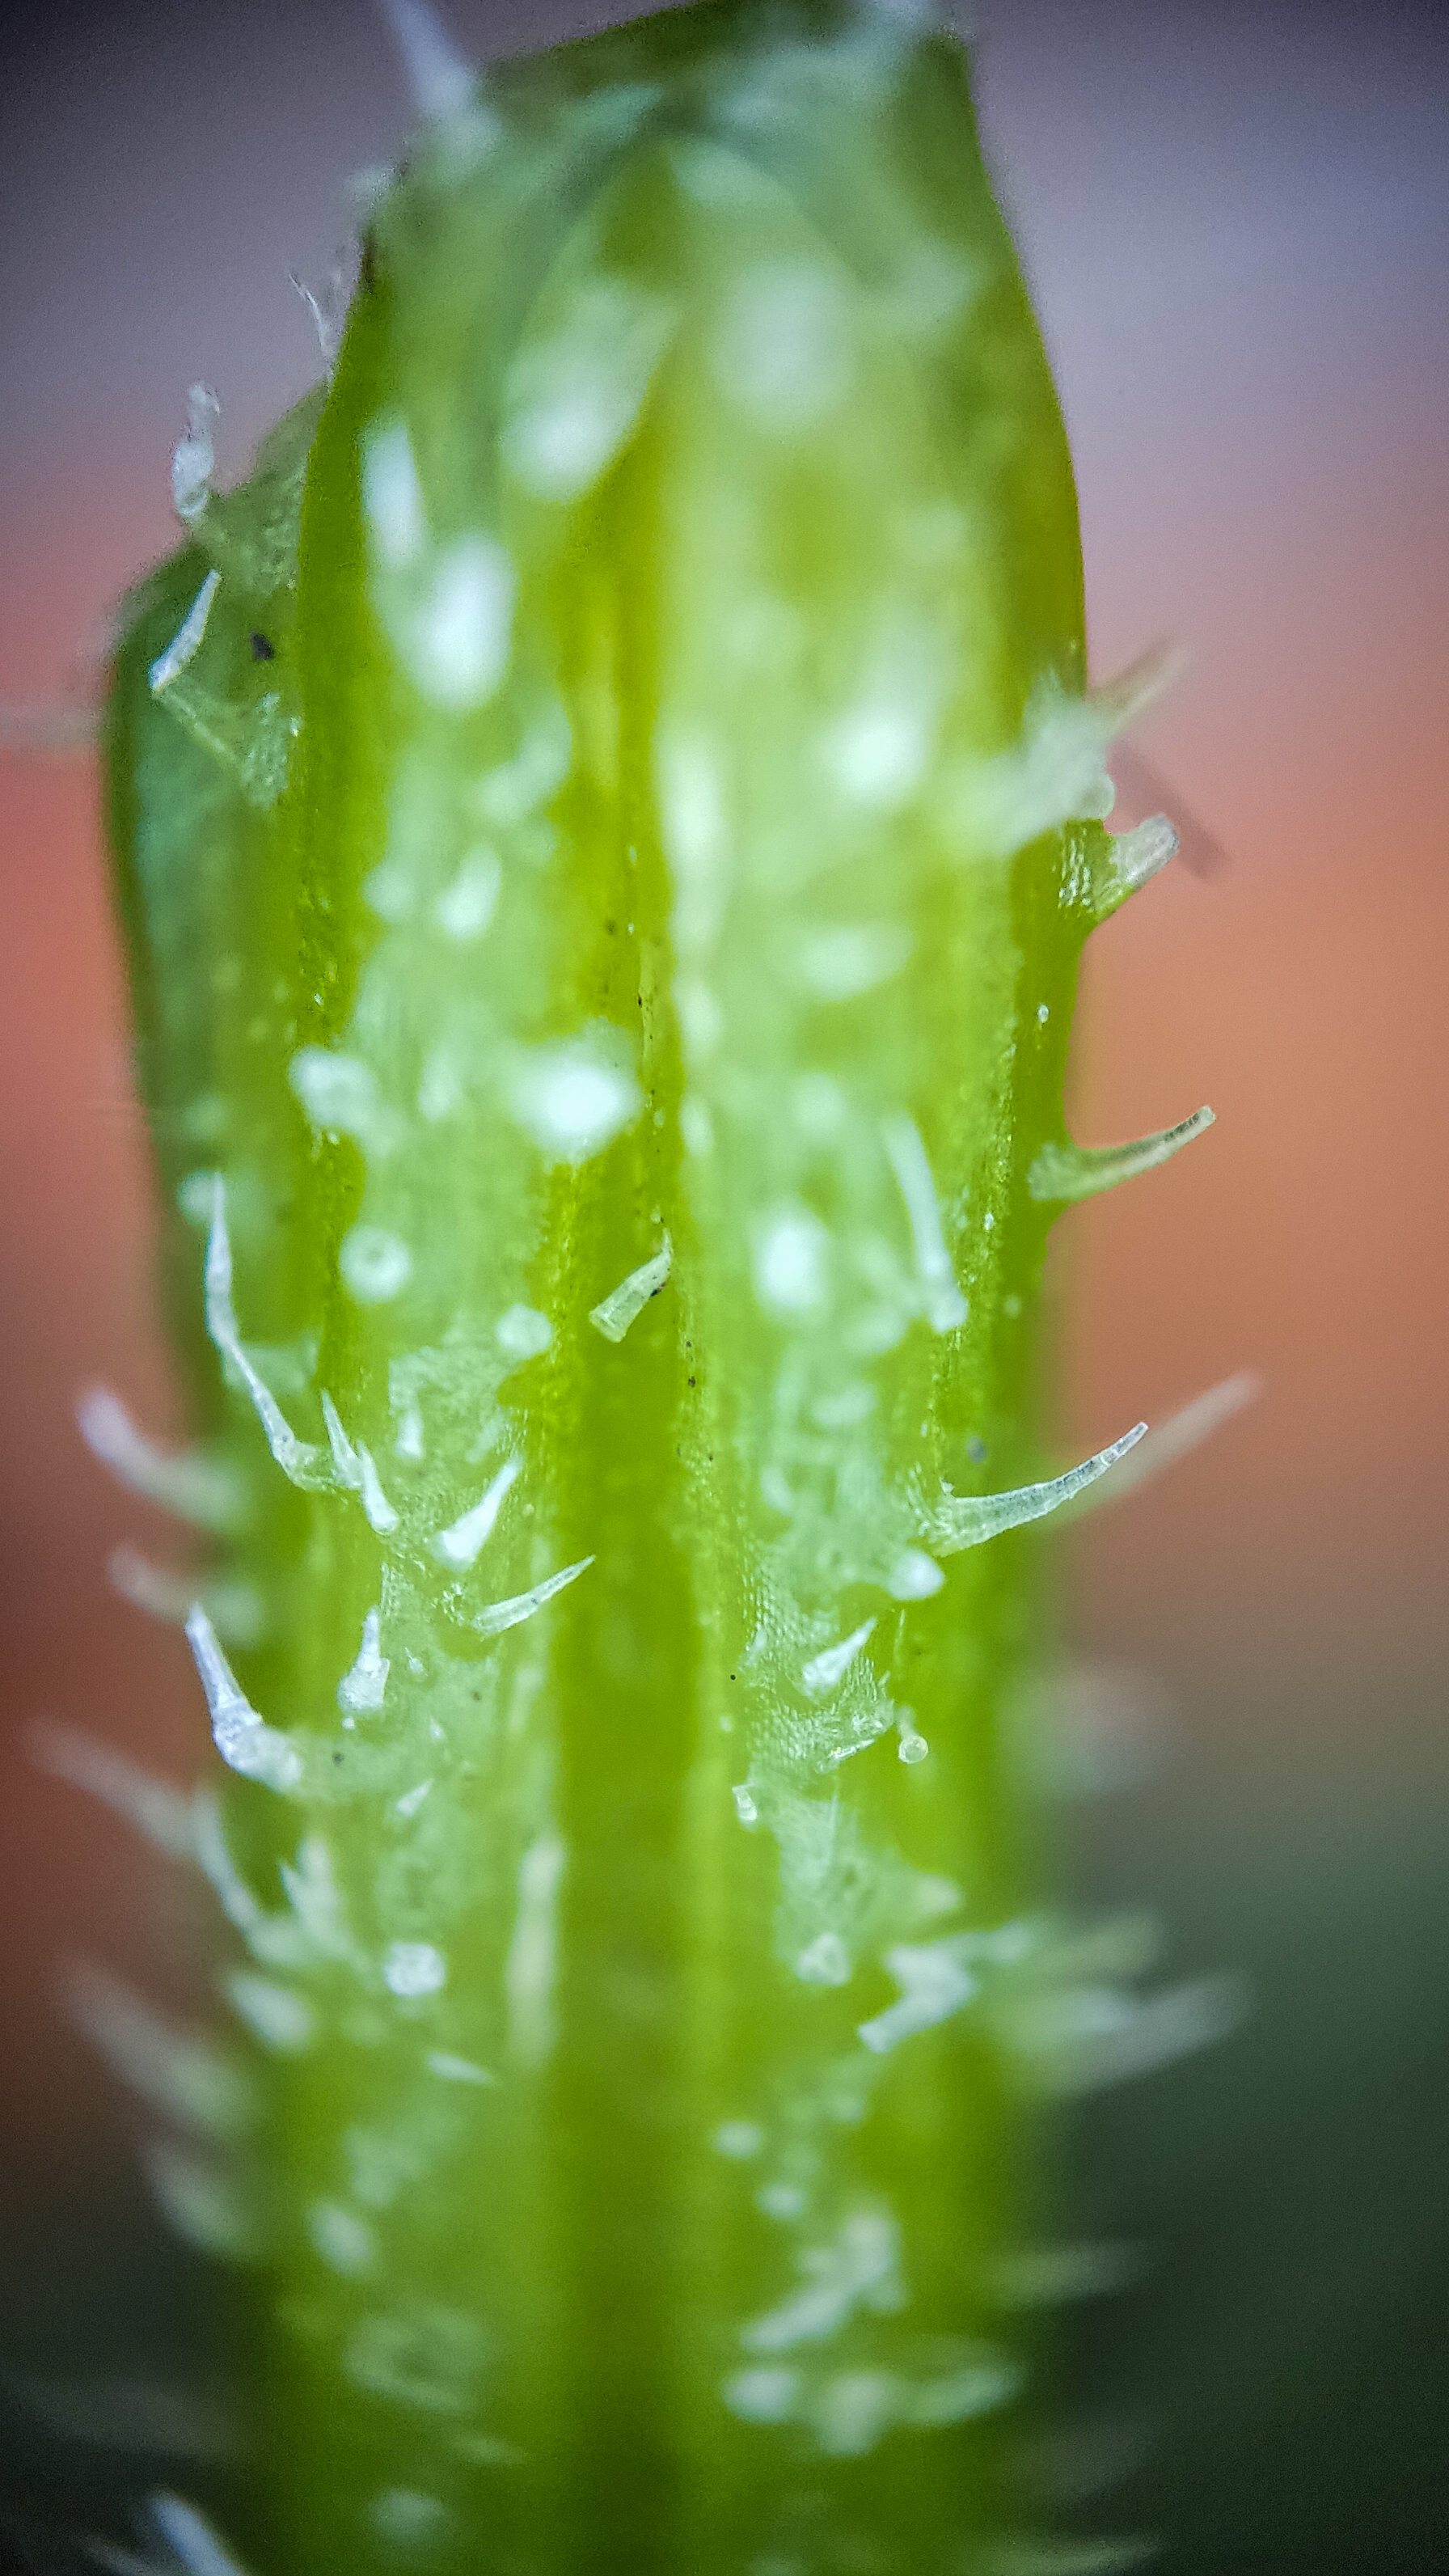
(523, 1605)
(441, 79)
(186, 640)
(243, 1739)
(614, 1314)
(299, 1461)
(955, 1521)
(463, 1541)
(194, 1488)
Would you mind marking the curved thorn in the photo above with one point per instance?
(441, 79)
(276, 1940)
(163, 1814)
(356, 1469)
(179, 2073)
(522, 1605)
(1055, 772)
(614, 1314)
(955, 1521)
(1087, 2037)
(137, 2415)
(380, 1515)
(193, 463)
(363, 1686)
(245, 1741)
(1064, 1173)
(1182, 1432)
(234, 1609)
(345, 1459)
(275, 2014)
(463, 1540)
(826, 1671)
(1136, 857)
(184, 1482)
(328, 310)
(300, 1462)
(187, 638)
(1143, 783)
(1123, 701)
(944, 1304)
(196, 2543)
(48, 732)
(195, 2196)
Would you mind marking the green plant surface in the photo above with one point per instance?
(606, 820)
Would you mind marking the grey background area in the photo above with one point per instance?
(1236, 222)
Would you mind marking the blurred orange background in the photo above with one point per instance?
(1236, 221)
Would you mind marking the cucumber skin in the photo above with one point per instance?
(558, 2312)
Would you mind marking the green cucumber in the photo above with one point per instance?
(606, 820)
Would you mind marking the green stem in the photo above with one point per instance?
(605, 871)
